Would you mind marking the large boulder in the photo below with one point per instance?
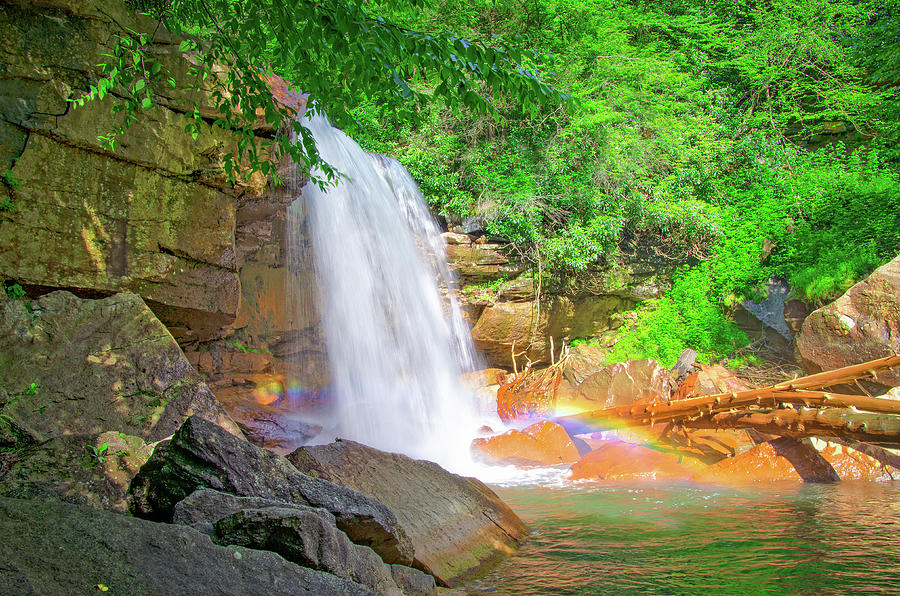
(621, 384)
(458, 526)
(202, 455)
(310, 538)
(618, 461)
(784, 458)
(710, 380)
(82, 367)
(543, 443)
(90, 470)
(861, 325)
(583, 361)
(58, 548)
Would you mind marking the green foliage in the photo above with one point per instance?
(97, 455)
(338, 52)
(10, 180)
(14, 291)
(744, 361)
(687, 317)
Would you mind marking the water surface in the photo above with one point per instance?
(688, 539)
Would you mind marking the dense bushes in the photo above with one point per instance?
(749, 139)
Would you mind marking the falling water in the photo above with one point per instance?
(396, 343)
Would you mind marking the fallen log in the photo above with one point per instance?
(842, 423)
(796, 408)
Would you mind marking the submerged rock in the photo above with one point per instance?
(457, 525)
(71, 366)
(541, 444)
(202, 455)
(861, 325)
(60, 548)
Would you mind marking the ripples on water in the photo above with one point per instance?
(687, 539)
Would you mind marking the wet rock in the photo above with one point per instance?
(541, 444)
(709, 445)
(309, 538)
(413, 582)
(583, 361)
(201, 455)
(73, 366)
(614, 460)
(464, 530)
(59, 548)
(851, 464)
(784, 458)
(861, 325)
(89, 470)
(621, 384)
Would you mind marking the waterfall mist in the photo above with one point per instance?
(394, 334)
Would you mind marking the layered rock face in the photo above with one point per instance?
(504, 310)
(156, 216)
(861, 325)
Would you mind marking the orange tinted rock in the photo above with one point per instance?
(710, 381)
(861, 325)
(624, 461)
(541, 444)
(620, 384)
(851, 464)
(710, 445)
(781, 459)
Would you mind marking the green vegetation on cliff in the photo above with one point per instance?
(744, 140)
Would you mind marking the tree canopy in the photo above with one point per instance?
(336, 51)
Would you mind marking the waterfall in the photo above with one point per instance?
(394, 334)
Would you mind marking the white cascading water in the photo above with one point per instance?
(395, 354)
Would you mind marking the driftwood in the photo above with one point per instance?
(842, 423)
(526, 395)
(796, 408)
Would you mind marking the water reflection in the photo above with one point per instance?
(688, 539)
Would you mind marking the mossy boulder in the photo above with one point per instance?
(83, 367)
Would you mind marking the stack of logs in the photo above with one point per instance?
(797, 408)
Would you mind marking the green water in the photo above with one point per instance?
(686, 539)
